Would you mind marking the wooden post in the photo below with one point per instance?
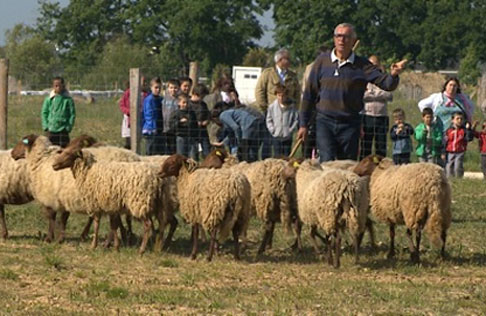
(194, 73)
(135, 109)
(3, 102)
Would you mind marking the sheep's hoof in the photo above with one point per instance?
(193, 257)
(390, 255)
(83, 237)
(5, 236)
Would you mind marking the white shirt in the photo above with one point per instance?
(344, 62)
(281, 73)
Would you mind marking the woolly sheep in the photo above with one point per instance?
(114, 187)
(14, 185)
(417, 195)
(216, 199)
(340, 164)
(333, 200)
(272, 190)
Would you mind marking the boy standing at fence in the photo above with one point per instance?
(429, 137)
(400, 134)
(58, 113)
(455, 139)
(169, 105)
(152, 119)
(203, 116)
(282, 121)
(183, 124)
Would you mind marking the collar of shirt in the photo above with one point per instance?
(281, 72)
(350, 59)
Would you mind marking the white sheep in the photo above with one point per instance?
(14, 185)
(346, 164)
(218, 200)
(114, 187)
(416, 195)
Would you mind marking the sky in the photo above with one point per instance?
(26, 11)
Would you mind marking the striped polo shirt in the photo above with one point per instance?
(336, 88)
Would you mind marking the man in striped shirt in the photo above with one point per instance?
(335, 90)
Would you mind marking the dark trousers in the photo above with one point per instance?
(128, 143)
(248, 150)
(203, 140)
(401, 159)
(153, 145)
(281, 147)
(310, 142)
(375, 129)
(59, 139)
(337, 138)
(266, 139)
(168, 143)
(184, 145)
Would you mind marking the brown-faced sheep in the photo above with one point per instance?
(417, 195)
(216, 199)
(14, 185)
(117, 187)
(273, 193)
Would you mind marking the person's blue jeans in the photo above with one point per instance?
(281, 147)
(337, 138)
(455, 165)
(266, 139)
(184, 146)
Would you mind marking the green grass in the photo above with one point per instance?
(71, 278)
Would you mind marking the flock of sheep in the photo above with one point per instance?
(218, 196)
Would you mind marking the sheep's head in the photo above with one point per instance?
(215, 159)
(82, 141)
(290, 169)
(367, 165)
(172, 166)
(68, 156)
(23, 146)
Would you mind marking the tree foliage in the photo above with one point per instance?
(435, 34)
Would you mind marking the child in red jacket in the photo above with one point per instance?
(455, 139)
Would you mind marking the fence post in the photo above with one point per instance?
(194, 73)
(135, 109)
(3, 102)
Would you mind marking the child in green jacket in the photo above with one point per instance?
(58, 113)
(429, 138)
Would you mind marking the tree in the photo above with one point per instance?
(258, 57)
(32, 58)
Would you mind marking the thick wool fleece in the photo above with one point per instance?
(417, 195)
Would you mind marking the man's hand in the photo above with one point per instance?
(397, 68)
(302, 133)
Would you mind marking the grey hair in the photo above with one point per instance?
(280, 53)
(348, 25)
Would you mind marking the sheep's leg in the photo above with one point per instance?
(173, 225)
(269, 226)
(195, 236)
(337, 249)
(212, 244)
(236, 235)
(313, 233)
(115, 221)
(330, 248)
(128, 221)
(84, 234)
(371, 231)
(443, 236)
(414, 248)
(51, 217)
(160, 237)
(3, 222)
(322, 238)
(357, 242)
(147, 227)
(62, 233)
(96, 220)
(298, 241)
(391, 252)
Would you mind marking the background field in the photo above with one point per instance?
(40, 278)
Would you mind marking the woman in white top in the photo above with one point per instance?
(447, 102)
